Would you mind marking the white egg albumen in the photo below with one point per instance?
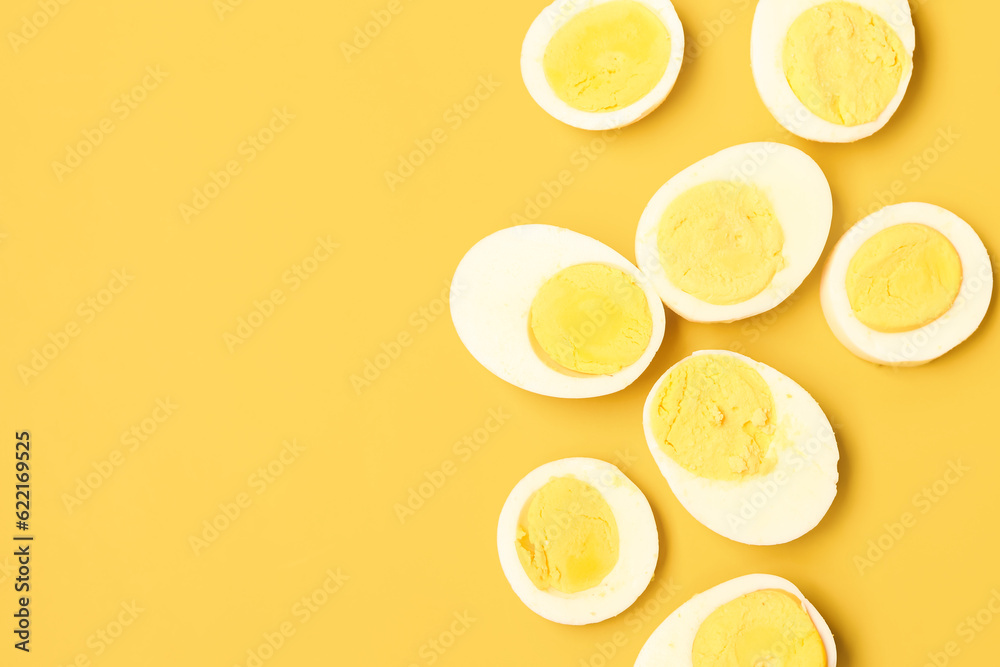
(803, 204)
(672, 642)
(638, 544)
(491, 297)
(909, 348)
(771, 22)
(775, 507)
(548, 23)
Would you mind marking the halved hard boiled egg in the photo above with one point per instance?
(556, 312)
(736, 233)
(602, 64)
(577, 541)
(745, 449)
(832, 70)
(756, 620)
(906, 284)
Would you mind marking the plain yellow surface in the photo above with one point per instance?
(173, 330)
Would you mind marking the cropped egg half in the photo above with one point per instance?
(906, 284)
(733, 235)
(602, 64)
(758, 620)
(745, 449)
(555, 312)
(832, 71)
(577, 541)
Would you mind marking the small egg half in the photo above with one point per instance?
(832, 71)
(750, 621)
(602, 64)
(906, 284)
(734, 234)
(555, 312)
(577, 541)
(745, 449)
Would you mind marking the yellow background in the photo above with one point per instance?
(333, 507)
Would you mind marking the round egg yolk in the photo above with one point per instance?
(607, 57)
(843, 62)
(721, 242)
(567, 537)
(714, 416)
(766, 628)
(592, 319)
(903, 278)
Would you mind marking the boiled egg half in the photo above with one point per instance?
(745, 449)
(602, 64)
(832, 71)
(753, 621)
(577, 541)
(906, 284)
(556, 312)
(736, 233)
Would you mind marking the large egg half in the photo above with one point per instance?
(734, 234)
(744, 448)
(555, 312)
(832, 71)
(907, 284)
(757, 619)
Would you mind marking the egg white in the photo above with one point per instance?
(638, 546)
(491, 297)
(909, 348)
(771, 22)
(548, 23)
(775, 507)
(672, 642)
(803, 204)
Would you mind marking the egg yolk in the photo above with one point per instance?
(714, 416)
(567, 537)
(721, 242)
(903, 278)
(766, 628)
(843, 62)
(592, 319)
(607, 57)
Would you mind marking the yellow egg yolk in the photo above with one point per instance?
(567, 537)
(903, 278)
(843, 62)
(592, 319)
(721, 242)
(714, 416)
(607, 57)
(766, 628)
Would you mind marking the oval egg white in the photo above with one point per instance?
(909, 348)
(671, 643)
(771, 508)
(544, 28)
(802, 202)
(638, 544)
(491, 296)
(771, 22)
